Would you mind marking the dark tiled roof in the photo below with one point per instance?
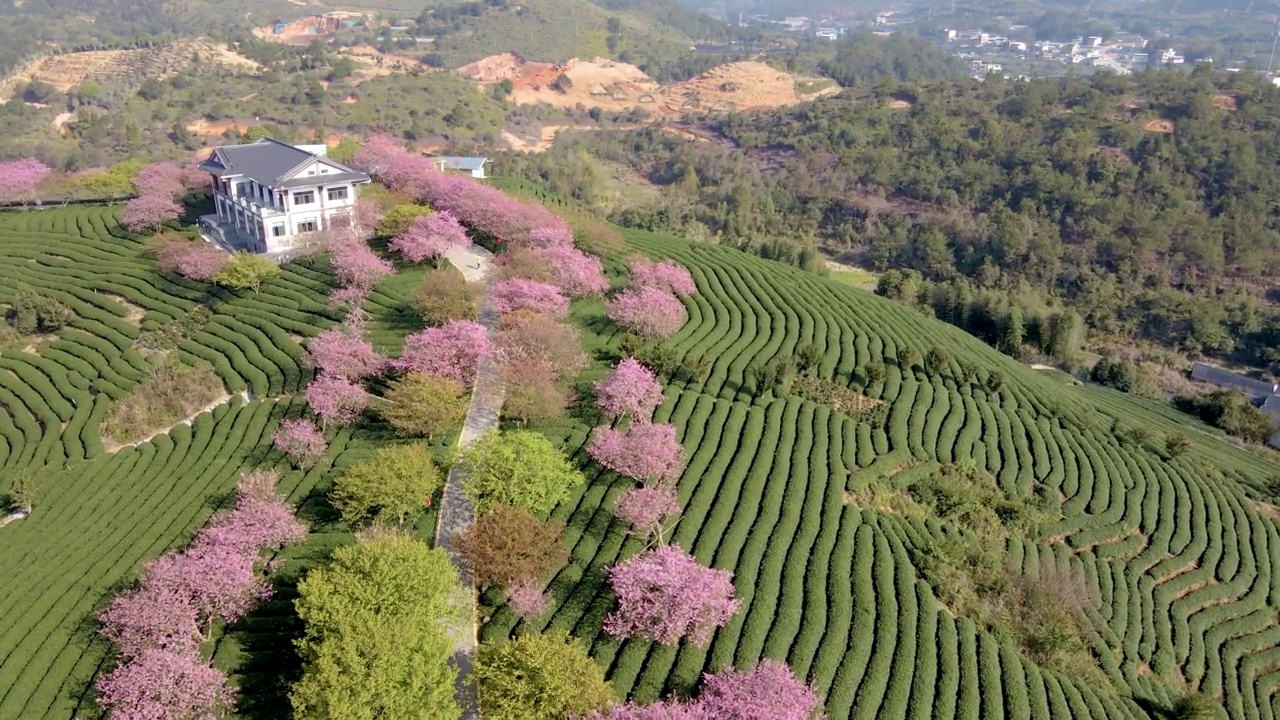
(265, 162)
(1250, 386)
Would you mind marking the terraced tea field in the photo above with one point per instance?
(100, 515)
(1178, 553)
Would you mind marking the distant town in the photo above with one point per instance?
(989, 52)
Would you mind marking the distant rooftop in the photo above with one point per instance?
(1252, 387)
(455, 162)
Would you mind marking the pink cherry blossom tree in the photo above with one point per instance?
(771, 690)
(19, 178)
(647, 509)
(644, 451)
(518, 294)
(451, 351)
(336, 400)
(148, 212)
(550, 235)
(355, 265)
(631, 390)
(527, 600)
(648, 312)
(151, 618)
(665, 595)
(576, 273)
(430, 237)
(201, 261)
(262, 519)
(218, 578)
(161, 179)
(302, 441)
(665, 275)
(342, 351)
(161, 684)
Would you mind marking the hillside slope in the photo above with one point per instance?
(798, 500)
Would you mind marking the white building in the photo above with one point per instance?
(473, 166)
(270, 196)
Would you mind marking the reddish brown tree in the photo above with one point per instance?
(509, 545)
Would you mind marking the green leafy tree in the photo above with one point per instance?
(246, 270)
(1197, 706)
(539, 677)
(32, 313)
(397, 480)
(398, 218)
(377, 643)
(808, 356)
(420, 405)
(1176, 445)
(908, 357)
(875, 373)
(519, 468)
(937, 360)
(345, 151)
(445, 296)
(1015, 333)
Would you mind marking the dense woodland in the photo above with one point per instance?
(1049, 192)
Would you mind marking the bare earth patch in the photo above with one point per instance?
(133, 313)
(1158, 126)
(112, 446)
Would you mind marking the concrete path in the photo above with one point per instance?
(456, 513)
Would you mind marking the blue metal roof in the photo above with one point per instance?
(454, 162)
(1250, 386)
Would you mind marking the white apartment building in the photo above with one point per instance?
(269, 196)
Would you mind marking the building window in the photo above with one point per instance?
(304, 198)
(277, 230)
(338, 193)
(242, 189)
(307, 226)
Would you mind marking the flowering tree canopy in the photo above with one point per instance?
(217, 577)
(517, 294)
(665, 275)
(539, 342)
(262, 519)
(162, 684)
(342, 351)
(527, 600)
(148, 212)
(450, 351)
(429, 237)
(549, 236)
(576, 273)
(648, 311)
(356, 265)
(644, 451)
(161, 179)
(647, 508)
(769, 691)
(336, 400)
(631, 390)
(18, 178)
(665, 595)
(151, 618)
(201, 261)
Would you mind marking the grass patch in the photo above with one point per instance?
(171, 392)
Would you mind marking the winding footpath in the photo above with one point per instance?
(456, 512)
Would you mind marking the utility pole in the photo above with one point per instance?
(1275, 36)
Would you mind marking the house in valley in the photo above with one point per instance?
(473, 166)
(272, 197)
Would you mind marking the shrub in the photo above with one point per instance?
(246, 270)
(170, 392)
(1115, 373)
(539, 677)
(509, 546)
